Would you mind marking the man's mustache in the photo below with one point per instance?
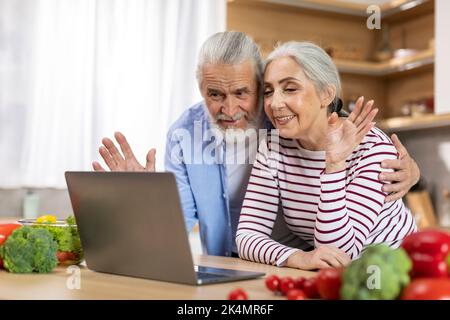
(236, 117)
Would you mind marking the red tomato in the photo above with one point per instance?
(273, 283)
(299, 282)
(64, 256)
(6, 229)
(296, 294)
(310, 288)
(286, 284)
(427, 289)
(329, 283)
(237, 294)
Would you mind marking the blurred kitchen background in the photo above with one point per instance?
(73, 71)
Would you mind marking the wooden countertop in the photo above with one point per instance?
(96, 285)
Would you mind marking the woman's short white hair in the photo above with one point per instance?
(315, 62)
(230, 47)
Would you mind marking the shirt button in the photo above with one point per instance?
(224, 195)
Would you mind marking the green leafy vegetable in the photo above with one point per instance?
(380, 274)
(29, 249)
(66, 236)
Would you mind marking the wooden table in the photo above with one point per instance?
(96, 285)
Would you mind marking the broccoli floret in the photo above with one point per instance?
(29, 249)
(379, 274)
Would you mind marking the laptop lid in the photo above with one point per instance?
(131, 223)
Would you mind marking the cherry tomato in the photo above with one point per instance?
(299, 282)
(296, 294)
(329, 283)
(427, 289)
(237, 294)
(310, 288)
(64, 256)
(273, 283)
(286, 284)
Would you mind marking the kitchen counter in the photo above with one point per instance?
(96, 285)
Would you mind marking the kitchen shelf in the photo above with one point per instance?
(388, 9)
(426, 121)
(396, 65)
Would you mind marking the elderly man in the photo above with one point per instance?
(212, 189)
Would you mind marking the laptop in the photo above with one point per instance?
(132, 224)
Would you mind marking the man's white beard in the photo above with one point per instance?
(253, 123)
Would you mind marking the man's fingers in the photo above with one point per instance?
(356, 111)
(395, 196)
(124, 146)
(107, 158)
(395, 187)
(398, 145)
(97, 166)
(394, 164)
(151, 160)
(393, 176)
(115, 154)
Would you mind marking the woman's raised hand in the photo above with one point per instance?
(344, 135)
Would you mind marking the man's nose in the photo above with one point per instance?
(230, 106)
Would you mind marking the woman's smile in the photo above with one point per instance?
(284, 120)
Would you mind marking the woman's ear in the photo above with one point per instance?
(327, 96)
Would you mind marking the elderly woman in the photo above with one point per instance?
(322, 169)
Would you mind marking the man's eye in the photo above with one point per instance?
(267, 92)
(215, 95)
(290, 89)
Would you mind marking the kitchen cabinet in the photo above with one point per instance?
(340, 28)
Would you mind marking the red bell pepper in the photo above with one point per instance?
(5, 230)
(427, 289)
(429, 251)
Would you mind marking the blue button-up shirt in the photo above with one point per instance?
(197, 160)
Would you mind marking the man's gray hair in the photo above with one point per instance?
(230, 47)
(315, 62)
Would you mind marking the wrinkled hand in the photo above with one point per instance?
(406, 172)
(344, 135)
(117, 161)
(319, 258)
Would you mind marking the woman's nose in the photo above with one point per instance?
(277, 101)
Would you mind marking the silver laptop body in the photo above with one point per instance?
(131, 223)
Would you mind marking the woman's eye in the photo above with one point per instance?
(290, 89)
(267, 92)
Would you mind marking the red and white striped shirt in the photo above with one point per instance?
(344, 209)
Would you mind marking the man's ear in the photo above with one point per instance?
(327, 96)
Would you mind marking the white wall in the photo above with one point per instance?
(442, 65)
